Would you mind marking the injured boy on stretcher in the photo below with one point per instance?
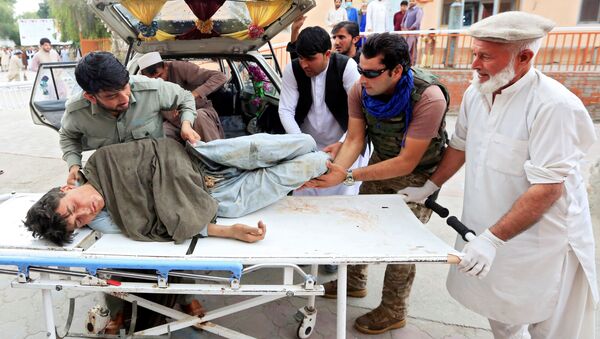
(155, 190)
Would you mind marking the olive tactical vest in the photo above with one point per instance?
(387, 135)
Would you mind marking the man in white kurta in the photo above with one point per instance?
(338, 14)
(377, 17)
(522, 136)
(320, 122)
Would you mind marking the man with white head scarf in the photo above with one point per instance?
(522, 136)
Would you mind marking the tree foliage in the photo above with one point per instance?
(8, 25)
(29, 15)
(43, 11)
(75, 17)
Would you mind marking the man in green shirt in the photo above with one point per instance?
(115, 108)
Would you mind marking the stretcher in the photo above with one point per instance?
(338, 230)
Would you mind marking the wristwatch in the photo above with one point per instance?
(349, 178)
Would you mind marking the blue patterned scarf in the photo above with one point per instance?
(401, 100)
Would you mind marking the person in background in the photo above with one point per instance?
(362, 12)
(44, 55)
(522, 137)
(412, 22)
(352, 12)
(377, 17)
(15, 65)
(4, 59)
(64, 54)
(345, 37)
(399, 16)
(337, 14)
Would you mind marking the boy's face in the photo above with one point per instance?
(79, 207)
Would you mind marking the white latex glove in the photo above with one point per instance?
(480, 254)
(418, 194)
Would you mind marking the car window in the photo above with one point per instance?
(55, 83)
(254, 78)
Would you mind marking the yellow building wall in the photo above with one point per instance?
(564, 13)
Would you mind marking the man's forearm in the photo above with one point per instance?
(186, 106)
(215, 79)
(527, 210)
(391, 168)
(351, 149)
(451, 162)
(71, 149)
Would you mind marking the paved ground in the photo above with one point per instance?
(30, 159)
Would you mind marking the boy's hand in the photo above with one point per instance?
(248, 233)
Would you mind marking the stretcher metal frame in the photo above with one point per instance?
(350, 224)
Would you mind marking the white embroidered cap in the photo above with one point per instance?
(149, 59)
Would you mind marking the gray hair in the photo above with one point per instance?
(532, 45)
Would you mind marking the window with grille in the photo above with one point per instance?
(590, 11)
(476, 10)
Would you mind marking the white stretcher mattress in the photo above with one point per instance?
(300, 230)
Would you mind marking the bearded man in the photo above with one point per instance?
(113, 108)
(522, 136)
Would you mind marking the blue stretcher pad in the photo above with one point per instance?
(91, 265)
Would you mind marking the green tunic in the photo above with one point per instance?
(152, 190)
(86, 126)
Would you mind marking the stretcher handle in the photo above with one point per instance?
(437, 208)
(466, 233)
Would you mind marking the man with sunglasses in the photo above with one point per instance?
(401, 110)
(115, 108)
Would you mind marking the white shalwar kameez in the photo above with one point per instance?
(536, 132)
(377, 17)
(320, 122)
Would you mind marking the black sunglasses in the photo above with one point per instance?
(370, 74)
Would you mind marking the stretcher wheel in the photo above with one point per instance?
(307, 317)
(305, 329)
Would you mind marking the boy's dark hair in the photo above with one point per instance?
(392, 47)
(101, 71)
(44, 40)
(350, 26)
(153, 69)
(313, 40)
(404, 3)
(43, 220)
